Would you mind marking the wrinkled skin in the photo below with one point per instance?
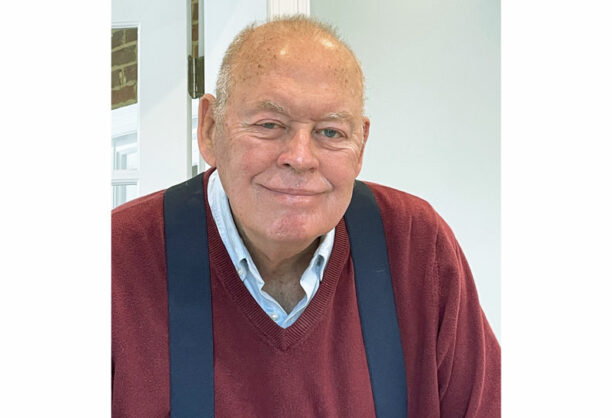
(290, 145)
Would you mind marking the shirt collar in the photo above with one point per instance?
(222, 215)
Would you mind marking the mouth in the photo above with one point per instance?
(293, 191)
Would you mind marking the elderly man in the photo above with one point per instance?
(288, 331)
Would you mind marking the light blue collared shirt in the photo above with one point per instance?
(247, 271)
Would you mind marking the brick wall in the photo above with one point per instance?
(124, 62)
(194, 28)
(124, 67)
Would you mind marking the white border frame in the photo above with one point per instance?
(288, 7)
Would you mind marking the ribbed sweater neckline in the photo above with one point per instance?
(223, 270)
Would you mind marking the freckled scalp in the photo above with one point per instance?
(256, 49)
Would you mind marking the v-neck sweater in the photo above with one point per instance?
(247, 270)
(317, 366)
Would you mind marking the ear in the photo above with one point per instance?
(206, 129)
(366, 134)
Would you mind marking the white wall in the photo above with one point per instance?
(433, 92)
(222, 21)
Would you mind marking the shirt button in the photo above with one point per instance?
(274, 316)
(240, 272)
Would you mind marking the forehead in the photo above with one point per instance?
(316, 61)
(263, 52)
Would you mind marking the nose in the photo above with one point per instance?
(298, 152)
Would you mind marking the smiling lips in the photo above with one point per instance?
(294, 192)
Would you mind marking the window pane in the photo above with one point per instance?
(123, 192)
(124, 134)
(125, 152)
(124, 67)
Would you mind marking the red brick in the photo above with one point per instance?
(125, 95)
(124, 56)
(194, 12)
(117, 38)
(131, 35)
(131, 73)
(116, 79)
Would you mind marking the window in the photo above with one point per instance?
(124, 154)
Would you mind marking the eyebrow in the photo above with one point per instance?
(341, 116)
(337, 116)
(269, 105)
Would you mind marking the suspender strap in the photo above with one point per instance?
(379, 325)
(189, 301)
(190, 309)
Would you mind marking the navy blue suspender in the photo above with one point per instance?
(376, 304)
(190, 307)
(190, 333)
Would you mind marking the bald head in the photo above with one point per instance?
(286, 44)
(286, 134)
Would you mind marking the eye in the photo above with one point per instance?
(268, 129)
(330, 133)
(269, 125)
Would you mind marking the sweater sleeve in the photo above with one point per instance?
(467, 351)
(139, 310)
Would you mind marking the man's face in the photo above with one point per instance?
(291, 143)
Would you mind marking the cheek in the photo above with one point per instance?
(242, 160)
(342, 169)
(254, 158)
(235, 154)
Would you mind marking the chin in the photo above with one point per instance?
(296, 231)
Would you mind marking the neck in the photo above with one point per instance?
(281, 268)
(280, 261)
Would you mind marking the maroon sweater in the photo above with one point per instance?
(316, 367)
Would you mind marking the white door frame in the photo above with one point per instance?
(164, 116)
